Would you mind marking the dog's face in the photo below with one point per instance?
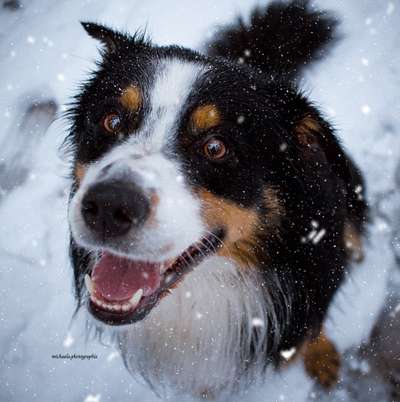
(170, 169)
(178, 159)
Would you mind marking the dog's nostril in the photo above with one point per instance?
(90, 208)
(121, 215)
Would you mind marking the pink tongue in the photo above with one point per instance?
(117, 278)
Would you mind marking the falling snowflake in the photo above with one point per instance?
(358, 189)
(315, 235)
(112, 356)
(92, 398)
(68, 341)
(240, 119)
(365, 109)
(283, 147)
(287, 354)
(319, 236)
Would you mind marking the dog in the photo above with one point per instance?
(213, 211)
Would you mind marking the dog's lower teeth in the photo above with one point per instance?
(131, 304)
(135, 299)
(88, 283)
(163, 268)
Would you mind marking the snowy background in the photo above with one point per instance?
(44, 55)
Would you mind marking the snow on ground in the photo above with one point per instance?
(44, 54)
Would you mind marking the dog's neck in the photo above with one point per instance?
(209, 335)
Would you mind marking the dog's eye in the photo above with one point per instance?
(112, 122)
(214, 148)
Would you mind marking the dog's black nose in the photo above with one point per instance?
(112, 208)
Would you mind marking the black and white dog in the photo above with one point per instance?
(213, 211)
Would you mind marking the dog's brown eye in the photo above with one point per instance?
(112, 122)
(214, 148)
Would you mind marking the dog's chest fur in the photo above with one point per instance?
(202, 336)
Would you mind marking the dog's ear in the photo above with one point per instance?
(107, 37)
(316, 139)
(318, 143)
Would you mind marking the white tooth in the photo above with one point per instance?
(164, 267)
(126, 307)
(88, 284)
(135, 299)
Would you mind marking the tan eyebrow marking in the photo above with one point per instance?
(205, 117)
(131, 98)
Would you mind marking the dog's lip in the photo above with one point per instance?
(127, 311)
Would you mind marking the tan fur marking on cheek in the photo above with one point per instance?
(205, 117)
(80, 171)
(131, 98)
(307, 131)
(240, 224)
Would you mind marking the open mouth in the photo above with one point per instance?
(123, 291)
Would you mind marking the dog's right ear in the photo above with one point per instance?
(109, 38)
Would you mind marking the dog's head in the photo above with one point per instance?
(178, 158)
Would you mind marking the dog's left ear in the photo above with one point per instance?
(108, 37)
(316, 139)
(318, 143)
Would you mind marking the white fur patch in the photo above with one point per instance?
(199, 338)
(177, 222)
(171, 89)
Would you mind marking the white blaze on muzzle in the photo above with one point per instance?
(174, 222)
